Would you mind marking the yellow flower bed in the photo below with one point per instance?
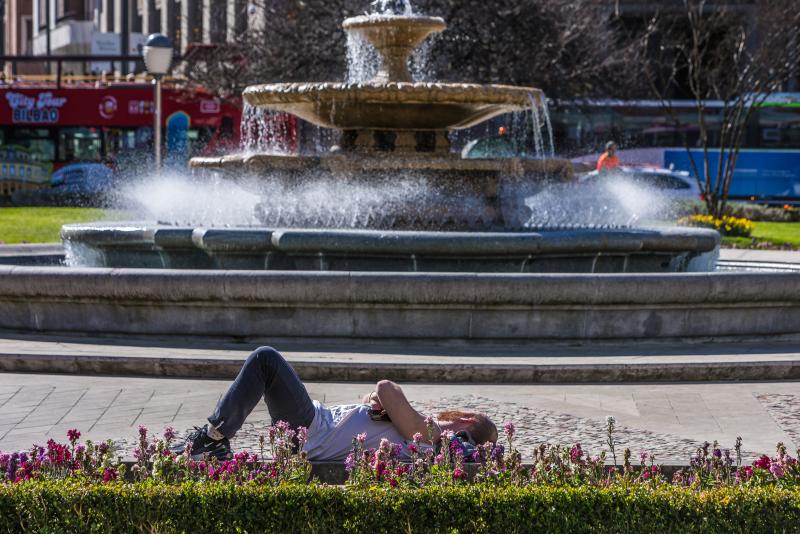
(726, 225)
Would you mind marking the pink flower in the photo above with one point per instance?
(362, 438)
(459, 474)
(302, 435)
(385, 445)
(393, 482)
(73, 435)
(412, 448)
(142, 432)
(576, 453)
(417, 438)
(776, 470)
(763, 462)
(508, 428)
(109, 474)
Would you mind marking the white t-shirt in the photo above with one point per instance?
(330, 436)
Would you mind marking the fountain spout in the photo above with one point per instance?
(394, 37)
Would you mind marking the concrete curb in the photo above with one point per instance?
(214, 368)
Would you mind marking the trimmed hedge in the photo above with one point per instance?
(220, 507)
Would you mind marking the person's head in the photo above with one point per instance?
(611, 148)
(479, 426)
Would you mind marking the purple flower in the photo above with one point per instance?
(508, 428)
(397, 449)
(459, 474)
(283, 426)
(717, 453)
(362, 438)
(412, 448)
(349, 462)
(497, 452)
(73, 435)
(417, 438)
(102, 448)
(169, 434)
(142, 432)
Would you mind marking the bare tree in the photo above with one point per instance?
(713, 53)
(568, 48)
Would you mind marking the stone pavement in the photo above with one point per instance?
(669, 419)
(767, 256)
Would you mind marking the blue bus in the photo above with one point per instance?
(768, 167)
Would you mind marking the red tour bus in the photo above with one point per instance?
(43, 128)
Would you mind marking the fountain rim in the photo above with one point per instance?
(263, 95)
(376, 21)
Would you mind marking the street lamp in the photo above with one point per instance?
(157, 54)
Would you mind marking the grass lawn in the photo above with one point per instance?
(43, 225)
(776, 233)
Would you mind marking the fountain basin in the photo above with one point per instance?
(394, 105)
(564, 250)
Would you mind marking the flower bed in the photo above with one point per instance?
(84, 486)
(726, 225)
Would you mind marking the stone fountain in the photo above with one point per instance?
(461, 263)
(471, 219)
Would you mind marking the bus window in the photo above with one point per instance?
(38, 141)
(780, 127)
(79, 144)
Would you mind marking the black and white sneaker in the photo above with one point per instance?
(205, 447)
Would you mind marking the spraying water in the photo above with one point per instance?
(393, 7)
(362, 60)
(213, 201)
(265, 132)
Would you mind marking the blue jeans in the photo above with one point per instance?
(265, 374)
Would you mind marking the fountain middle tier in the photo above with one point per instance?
(393, 105)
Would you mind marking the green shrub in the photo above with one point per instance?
(194, 507)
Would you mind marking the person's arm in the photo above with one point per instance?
(406, 419)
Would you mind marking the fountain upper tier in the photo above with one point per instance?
(391, 101)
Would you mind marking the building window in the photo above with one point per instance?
(69, 9)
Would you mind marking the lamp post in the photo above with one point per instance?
(157, 54)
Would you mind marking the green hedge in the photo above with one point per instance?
(143, 507)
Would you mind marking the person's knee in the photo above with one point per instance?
(266, 356)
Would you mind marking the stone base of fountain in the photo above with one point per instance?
(576, 250)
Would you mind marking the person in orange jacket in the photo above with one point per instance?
(609, 160)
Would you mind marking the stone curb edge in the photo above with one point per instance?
(211, 368)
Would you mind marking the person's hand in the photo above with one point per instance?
(375, 403)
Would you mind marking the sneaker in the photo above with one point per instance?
(205, 447)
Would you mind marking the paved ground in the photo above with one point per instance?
(669, 419)
(777, 256)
